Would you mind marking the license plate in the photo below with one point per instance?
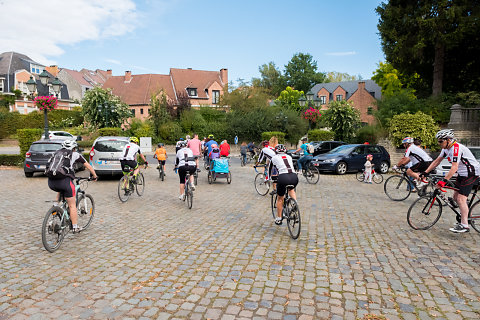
(40, 166)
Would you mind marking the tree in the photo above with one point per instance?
(183, 103)
(7, 100)
(434, 38)
(334, 76)
(159, 111)
(271, 79)
(301, 72)
(245, 99)
(343, 118)
(418, 125)
(103, 109)
(391, 81)
(289, 99)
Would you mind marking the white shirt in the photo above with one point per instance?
(467, 164)
(283, 162)
(417, 154)
(267, 153)
(185, 157)
(130, 151)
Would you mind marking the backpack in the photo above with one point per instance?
(58, 166)
(310, 148)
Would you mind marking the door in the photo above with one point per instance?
(357, 158)
(377, 155)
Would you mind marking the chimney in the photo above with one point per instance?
(53, 70)
(128, 76)
(109, 73)
(224, 75)
(361, 85)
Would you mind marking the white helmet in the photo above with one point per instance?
(407, 140)
(445, 134)
(69, 144)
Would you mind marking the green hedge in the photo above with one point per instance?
(26, 137)
(85, 143)
(280, 136)
(320, 135)
(11, 159)
(111, 132)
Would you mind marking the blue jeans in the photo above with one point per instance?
(244, 157)
(303, 160)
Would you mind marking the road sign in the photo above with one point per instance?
(235, 140)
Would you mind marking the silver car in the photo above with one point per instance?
(444, 166)
(105, 155)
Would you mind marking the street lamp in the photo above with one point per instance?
(56, 86)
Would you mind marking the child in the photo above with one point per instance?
(368, 170)
(161, 155)
(243, 151)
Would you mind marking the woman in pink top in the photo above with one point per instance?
(195, 145)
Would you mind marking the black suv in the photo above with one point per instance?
(325, 146)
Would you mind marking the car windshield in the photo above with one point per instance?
(110, 145)
(345, 149)
(45, 147)
(476, 153)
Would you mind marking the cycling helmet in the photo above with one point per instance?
(160, 145)
(210, 136)
(134, 139)
(280, 148)
(181, 139)
(182, 144)
(69, 144)
(369, 155)
(407, 140)
(265, 143)
(445, 134)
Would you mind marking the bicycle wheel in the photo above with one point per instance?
(209, 177)
(189, 196)
(162, 174)
(293, 218)
(474, 216)
(140, 185)
(52, 231)
(424, 213)
(273, 204)
(195, 178)
(85, 210)
(312, 175)
(205, 165)
(229, 178)
(242, 161)
(261, 186)
(360, 176)
(377, 178)
(123, 189)
(397, 188)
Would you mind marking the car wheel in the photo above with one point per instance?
(28, 174)
(384, 167)
(341, 168)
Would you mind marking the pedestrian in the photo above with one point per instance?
(224, 149)
(368, 169)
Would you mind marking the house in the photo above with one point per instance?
(362, 94)
(201, 88)
(16, 69)
(79, 82)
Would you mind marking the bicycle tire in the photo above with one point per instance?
(123, 191)
(55, 229)
(360, 176)
(229, 177)
(474, 216)
(273, 205)
(205, 165)
(209, 177)
(294, 221)
(140, 184)
(377, 178)
(85, 210)
(162, 174)
(195, 178)
(424, 213)
(189, 196)
(261, 186)
(397, 188)
(312, 175)
(242, 162)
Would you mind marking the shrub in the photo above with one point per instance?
(11, 159)
(280, 136)
(320, 135)
(111, 132)
(170, 132)
(369, 134)
(144, 131)
(85, 143)
(211, 115)
(418, 125)
(192, 121)
(26, 137)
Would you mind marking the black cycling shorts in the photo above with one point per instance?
(64, 186)
(465, 184)
(284, 180)
(162, 162)
(420, 166)
(182, 172)
(130, 163)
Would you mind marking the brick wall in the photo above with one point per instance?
(362, 100)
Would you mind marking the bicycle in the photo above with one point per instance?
(290, 211)
(262, 184)
(426, 211)
(188, 191)
(311, 173)
(376, 176)
(161, 172)
(57, 221)
(128, 184)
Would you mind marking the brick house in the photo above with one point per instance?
(362, 94)
(202, 88)
(79, 82)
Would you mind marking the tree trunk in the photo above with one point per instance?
(438, 65)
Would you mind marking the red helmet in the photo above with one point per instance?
(265, 143)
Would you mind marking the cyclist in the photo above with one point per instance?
(177, 145)
(65, 185)
(467, 169)
(307, 156)
(418, 158)
(286, 176)
(224, 149)
(129, 158)
(161, 156)
(185, 162)
(251, 148)
(196, 146)
(243, 151)
(209, 144)
(266, 155)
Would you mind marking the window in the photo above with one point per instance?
(1, 85)
(141, 110)
(370, 110)
(133, 112)
(216, 96)
(323, 99)
(339, 97)
(373, 149)
(192, 92)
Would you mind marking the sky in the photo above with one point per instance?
(152, 36)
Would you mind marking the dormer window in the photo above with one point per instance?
(192, 92)
(34, 68)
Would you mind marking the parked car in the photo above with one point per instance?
(105, 155)
(38, 155)
(444, 167)
(352, 157)
(60, 135)
(325, 146)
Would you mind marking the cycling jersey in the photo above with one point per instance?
(283, 163)
(417, 154)
(130, 152)
(161, 154)
(185, 158)
(467, 164)
(266, 154)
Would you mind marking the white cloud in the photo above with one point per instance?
(114, 61)
(339, 54)
(39, 29)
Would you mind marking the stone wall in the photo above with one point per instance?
(466, 123)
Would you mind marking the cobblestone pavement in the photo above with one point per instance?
(153, 258)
